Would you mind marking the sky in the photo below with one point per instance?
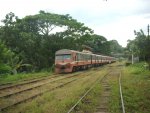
(113, 19)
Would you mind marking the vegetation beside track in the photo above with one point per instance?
(136, 88)
(22, 77)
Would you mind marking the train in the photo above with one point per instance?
(67, 61)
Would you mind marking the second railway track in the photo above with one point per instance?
(15, 89)
(38, 90)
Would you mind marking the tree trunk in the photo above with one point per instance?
(148, 61)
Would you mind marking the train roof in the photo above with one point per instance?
(68, 51)
(62, 51)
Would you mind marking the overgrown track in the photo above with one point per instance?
(38, 90)
(31, 84)
(86, 93)
(5, 84)
(114, 76)
(30, 79)
(19, 88)
(10, 85)
(105, 96)
(33, 96)
(121, 95)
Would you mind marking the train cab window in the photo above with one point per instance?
(63, 57)
(67, 56)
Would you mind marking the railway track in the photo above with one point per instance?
(26, 81)
(9, 90)
(38, 90)
(10, 85)
(121, 95)
(33, 80)
(31, 85)
(4, 107)
(102, 107)
(30, 79)
(86, 93)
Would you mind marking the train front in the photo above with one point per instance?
(63, 60)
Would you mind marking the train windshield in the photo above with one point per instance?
(63, 57)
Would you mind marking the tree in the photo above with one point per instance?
(99, 44)
(140, 46)
(5, 56)
(34, 41)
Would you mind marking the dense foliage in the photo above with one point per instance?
(140, 46)
(34, 39)
(5, 58)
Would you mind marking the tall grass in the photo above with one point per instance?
(136, 88)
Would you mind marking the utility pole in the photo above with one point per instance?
(148, 30)
(148, 46)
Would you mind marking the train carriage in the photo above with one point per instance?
(69, 60)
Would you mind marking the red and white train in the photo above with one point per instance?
(69, 60)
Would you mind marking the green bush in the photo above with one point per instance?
(4, 69)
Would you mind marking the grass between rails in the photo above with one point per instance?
(93, 99)
(89, 102)
(59, 100)
(114, 104)
(136, 88)
(20, 77)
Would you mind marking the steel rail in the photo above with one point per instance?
(100, 79)
(28, 82)
(40, 85)
(33, 81)
(121, 96)
(38, 94)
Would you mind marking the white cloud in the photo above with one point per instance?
(123, 29)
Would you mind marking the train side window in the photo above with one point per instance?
(83, 57)
(80, 57)
(88, 57)
(77, 56)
